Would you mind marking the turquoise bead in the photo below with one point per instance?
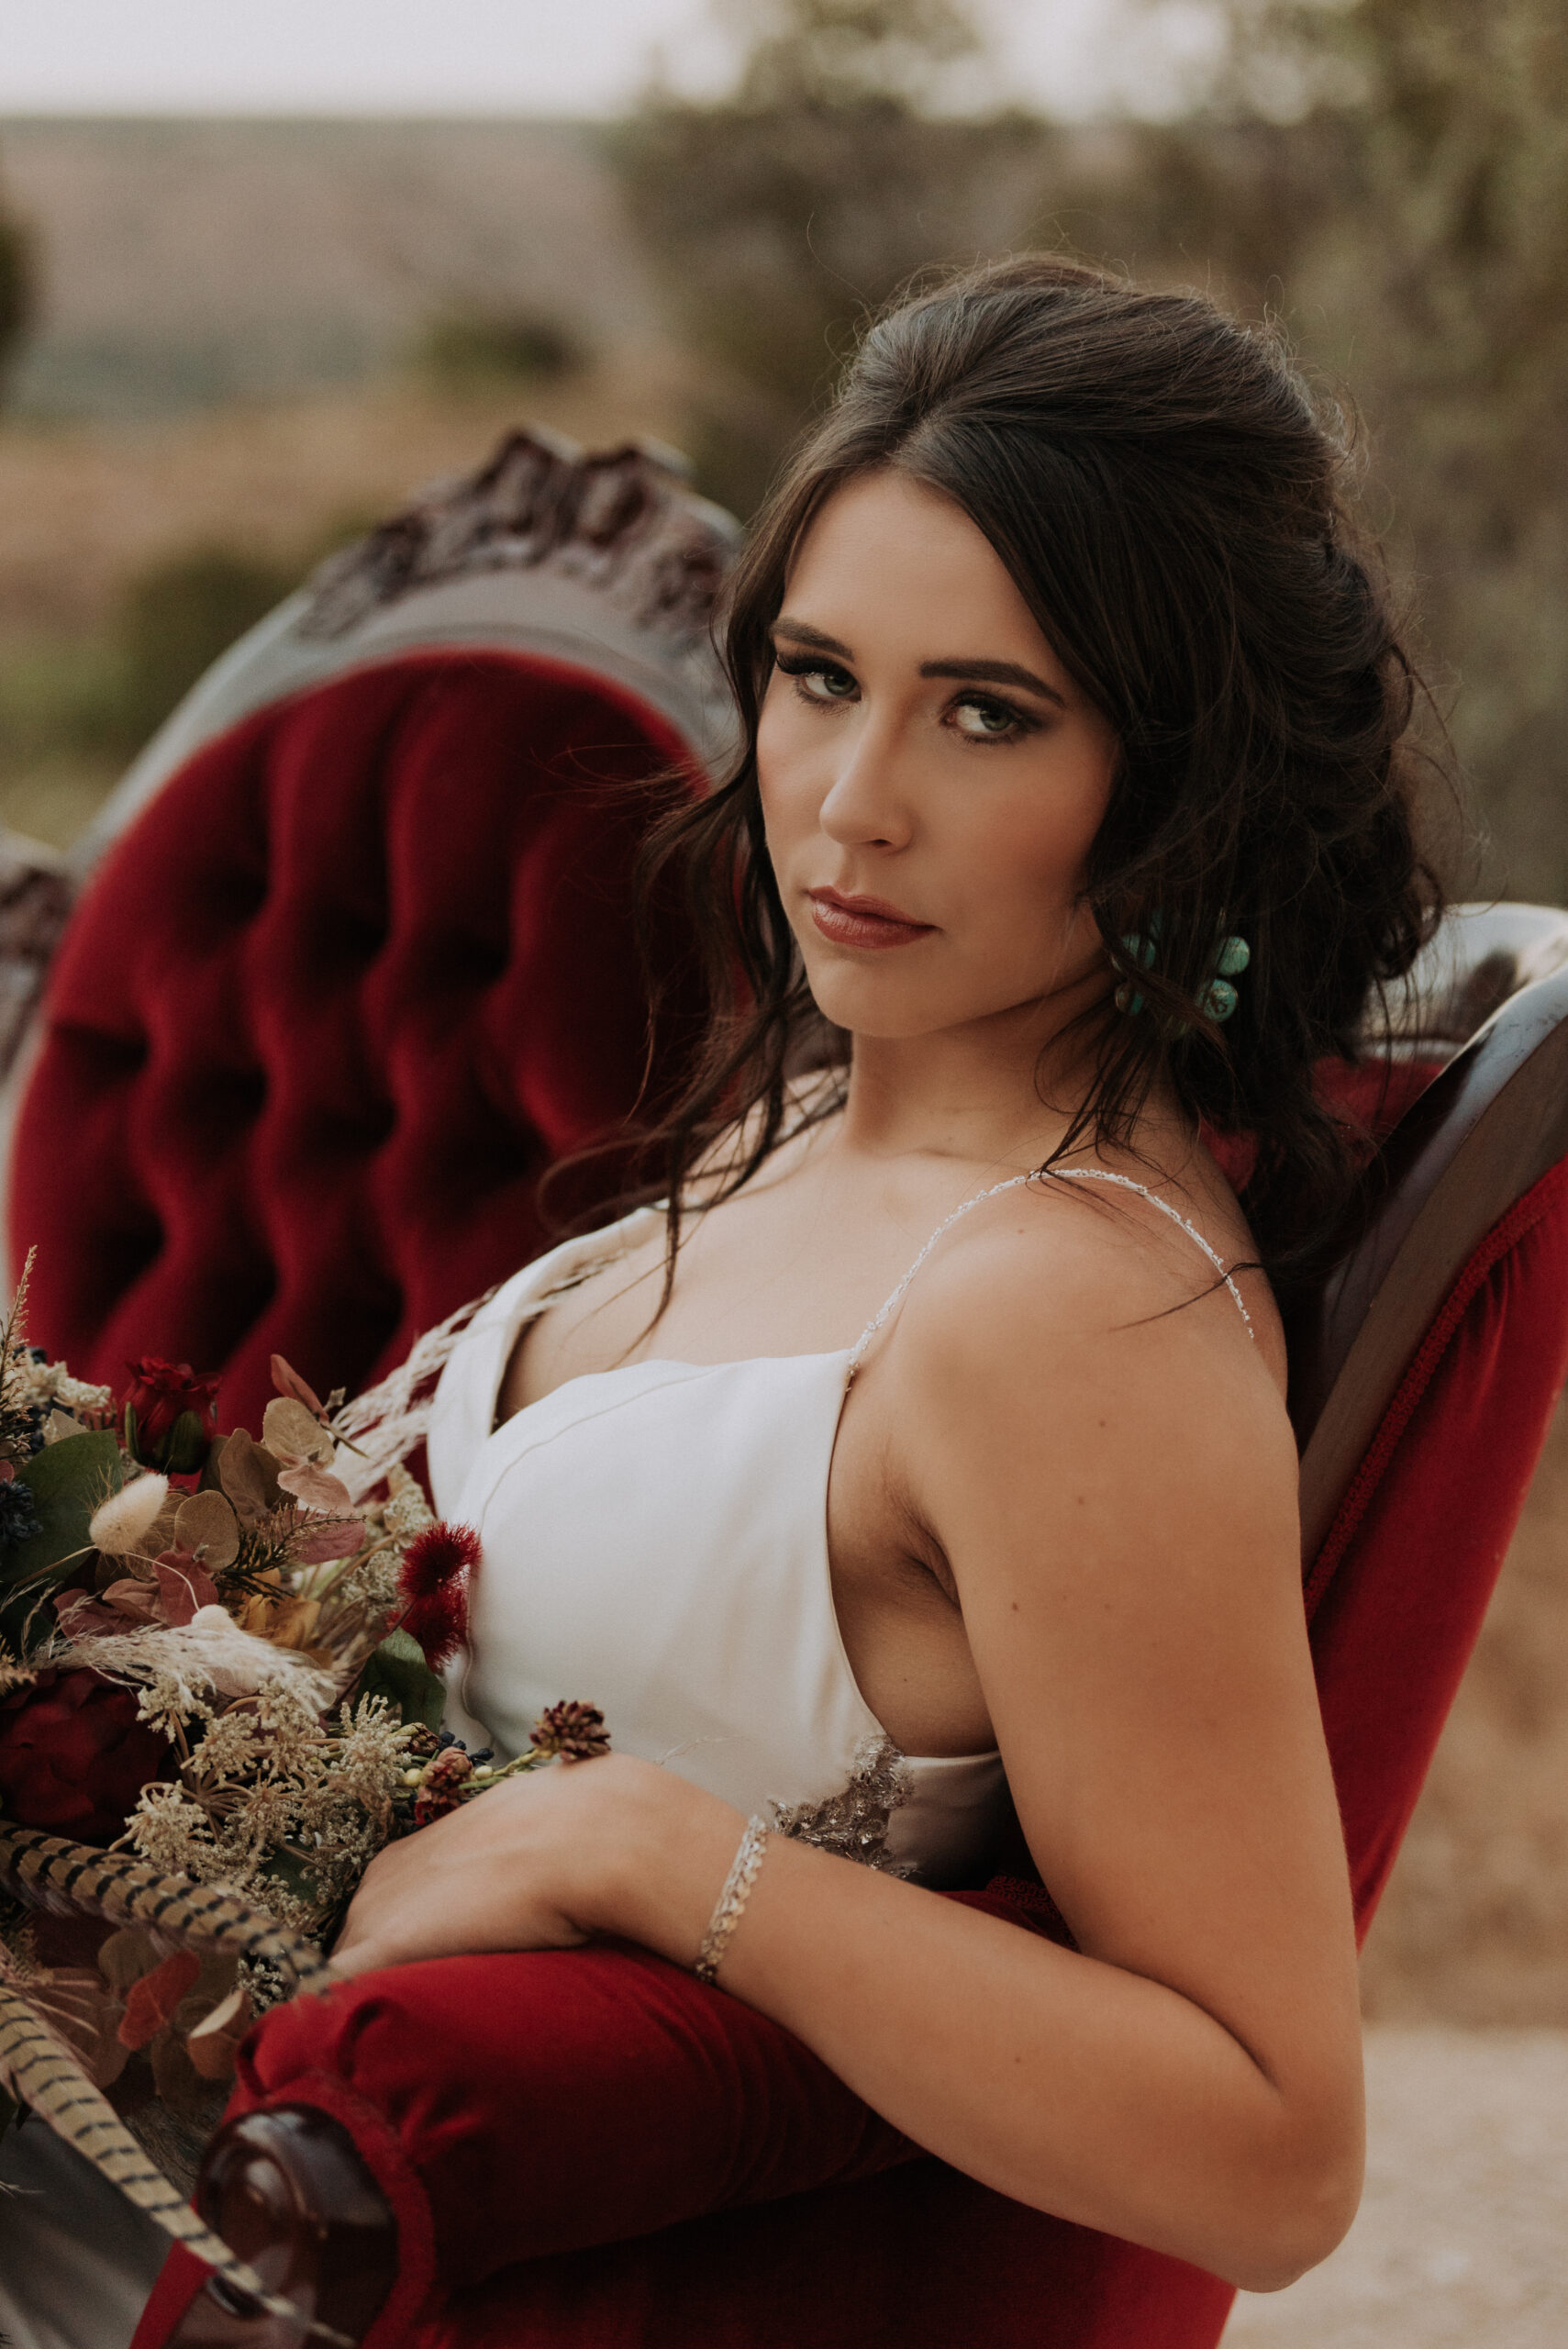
(1234, 957)
(1219, 1001)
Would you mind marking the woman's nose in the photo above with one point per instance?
(865, 805)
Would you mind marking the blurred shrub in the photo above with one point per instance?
(74, 708)
(176, 617)
(1389, 177)
(778, 215)
(18, 286)
(98, 697)
(59, 695)
(1405, 212)
(474, 350)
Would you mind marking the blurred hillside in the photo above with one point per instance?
(184, 265)
(247, 341)
(1389, 178)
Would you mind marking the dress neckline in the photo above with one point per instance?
(853, 1355)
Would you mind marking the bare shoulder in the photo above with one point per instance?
(1082, 1311)
(1084, 1256)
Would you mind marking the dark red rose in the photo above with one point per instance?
(73, 1756)
(168, 1414)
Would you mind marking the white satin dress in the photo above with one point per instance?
(655, 1542)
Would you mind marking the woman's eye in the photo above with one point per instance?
(820, 681)
(983, 721)
(826, 684)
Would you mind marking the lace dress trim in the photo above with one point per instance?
(854, 1822)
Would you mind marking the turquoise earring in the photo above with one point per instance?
(1141, 952)
(1220, 997)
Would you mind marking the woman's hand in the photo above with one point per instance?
(545, 1861)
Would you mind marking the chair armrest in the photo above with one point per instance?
(287, 2189)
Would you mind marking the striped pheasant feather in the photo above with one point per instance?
(77, 1879)
(40, 2069)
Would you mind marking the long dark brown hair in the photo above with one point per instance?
(1172, 509)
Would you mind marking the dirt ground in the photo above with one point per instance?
(1473, 1926)
(1462, 2242)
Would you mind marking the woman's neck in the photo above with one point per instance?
(1002, 1092)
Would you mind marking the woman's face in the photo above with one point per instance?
(931, 778)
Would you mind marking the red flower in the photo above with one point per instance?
(434, 1581)
(162, 1396)
(73, 1756)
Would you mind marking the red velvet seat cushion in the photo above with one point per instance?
(361, 972)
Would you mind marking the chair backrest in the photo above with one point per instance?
(352, 963)
(1483, 1031)
(1426, 1370)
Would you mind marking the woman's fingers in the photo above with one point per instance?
(485, 1877)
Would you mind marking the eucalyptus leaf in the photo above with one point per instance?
(67, 1481)
(205, 1523)
(249, 1475)
(398, 1671)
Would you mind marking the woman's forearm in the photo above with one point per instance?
(1067, 2083)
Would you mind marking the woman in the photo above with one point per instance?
(930, 1451)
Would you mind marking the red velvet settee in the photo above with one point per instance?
(347, 960)
(357, 970)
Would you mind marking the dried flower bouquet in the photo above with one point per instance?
(219, 1697)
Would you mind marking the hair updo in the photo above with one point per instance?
(1171, 507)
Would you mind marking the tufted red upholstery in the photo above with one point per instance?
(359, 973)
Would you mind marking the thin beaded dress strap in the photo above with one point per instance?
(1063, 1175)
(1125, 1183)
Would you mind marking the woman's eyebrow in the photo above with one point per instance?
(803, 633)
(995, 673)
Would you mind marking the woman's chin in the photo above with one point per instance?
(878, 1009)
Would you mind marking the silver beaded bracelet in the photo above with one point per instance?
(743, 1871)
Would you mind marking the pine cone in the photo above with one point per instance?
(441, 1788)
(576, 1732)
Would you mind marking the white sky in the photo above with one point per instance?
(373, 57)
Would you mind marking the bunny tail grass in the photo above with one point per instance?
(38, 2069)
(78, 1879)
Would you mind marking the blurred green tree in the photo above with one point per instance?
(1391, 177)
(176, 617)
(1388, 177)
(18, 285)
(474, 350)
(1443, 268)
(780, 213)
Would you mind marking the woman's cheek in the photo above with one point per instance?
(790, 795)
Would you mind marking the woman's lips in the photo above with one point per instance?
(863, 921)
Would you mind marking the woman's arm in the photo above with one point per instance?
(1116, 1511)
